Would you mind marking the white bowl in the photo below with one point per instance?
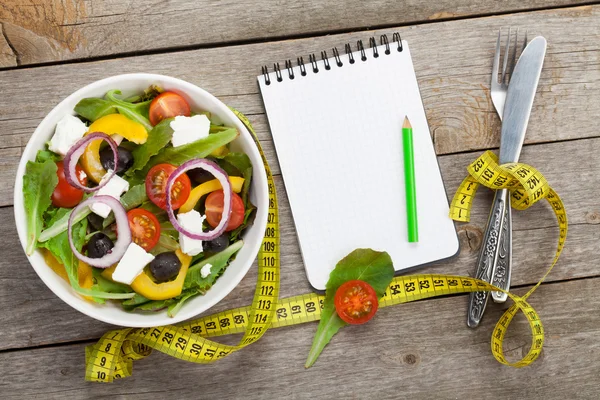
(198, 99)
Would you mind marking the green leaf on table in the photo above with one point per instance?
(198, 149)
(39, 182)
(374, 267)
(158, 138)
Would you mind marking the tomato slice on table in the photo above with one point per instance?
(214, 210)
(356, 302)
(156, 184)
(64, 194)
(168, 105)
(145, 228)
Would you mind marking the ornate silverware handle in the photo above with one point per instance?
(503, 265)
(487, 259)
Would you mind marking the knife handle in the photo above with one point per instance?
(503, 267)
(487, 259)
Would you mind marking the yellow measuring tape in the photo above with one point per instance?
(111, 358)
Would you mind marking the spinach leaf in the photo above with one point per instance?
(158, 138)
(198, 149)
(367, 265)
(219, 262)
(93, 108)
(239, 164)
(39, 182)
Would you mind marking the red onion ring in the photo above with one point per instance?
(123, 232)
(77, 150)
(222, 177)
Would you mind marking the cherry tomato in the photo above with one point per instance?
(145, 228)
(168, 105)
(214, 210)
(64, 194)
(156, 183)
(356, 302)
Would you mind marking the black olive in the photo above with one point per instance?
(96, 221)
(199, 176)
(124, 159)
(99, 245)
(216, 245)
(165, 266)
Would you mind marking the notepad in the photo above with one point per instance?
(337, 127)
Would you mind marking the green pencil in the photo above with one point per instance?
(409, 180)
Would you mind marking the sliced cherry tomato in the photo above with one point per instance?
(145, 228)
(156, 183)
(214, 210)
(356, 302)
(168, 105)
(64, 194)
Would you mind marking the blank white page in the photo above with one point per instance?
(338, 136)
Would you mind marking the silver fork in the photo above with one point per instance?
(491, 266)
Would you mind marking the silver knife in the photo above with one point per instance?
(519, 100)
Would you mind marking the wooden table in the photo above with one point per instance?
(417, 350)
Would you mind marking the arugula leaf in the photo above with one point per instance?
(60, 225)
(219, 262)
(374, 267)
(158, 138)
(137, 112)
(39, 182)
(198, 149)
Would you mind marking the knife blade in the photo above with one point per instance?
(519, 101)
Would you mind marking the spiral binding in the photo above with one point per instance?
(314, 61)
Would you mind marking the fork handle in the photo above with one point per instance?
(503, 266)
(487, 259)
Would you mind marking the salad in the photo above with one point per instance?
(138, 200)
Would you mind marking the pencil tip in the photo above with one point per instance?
(406, 123)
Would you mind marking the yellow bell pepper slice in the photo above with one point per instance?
(84, 271)
(220, 151)
(196, 194)
(110, 124)
(145, 286)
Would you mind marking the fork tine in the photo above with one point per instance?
(505, 61)
(514, 54)
(496, 59)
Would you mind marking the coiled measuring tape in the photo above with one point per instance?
(112, 357)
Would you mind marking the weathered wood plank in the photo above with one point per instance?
(43, 318)
(453, 73)
(55, 30)
(419, 350)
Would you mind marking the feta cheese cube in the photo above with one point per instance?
(191, 221)
(68, 131)
(189, 129)
(132, 264)
(115, 187)
(205, 271)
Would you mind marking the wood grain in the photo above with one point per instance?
(454, 81)
(419, 350)
(44, 318)
(56, 30)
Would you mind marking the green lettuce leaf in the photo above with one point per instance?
(133, 198)
(158, 138)
(60, 224)
(181, 299)
(198, 149)
(374, 267)
(95, 108)
(39, 182)
(219, 262)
